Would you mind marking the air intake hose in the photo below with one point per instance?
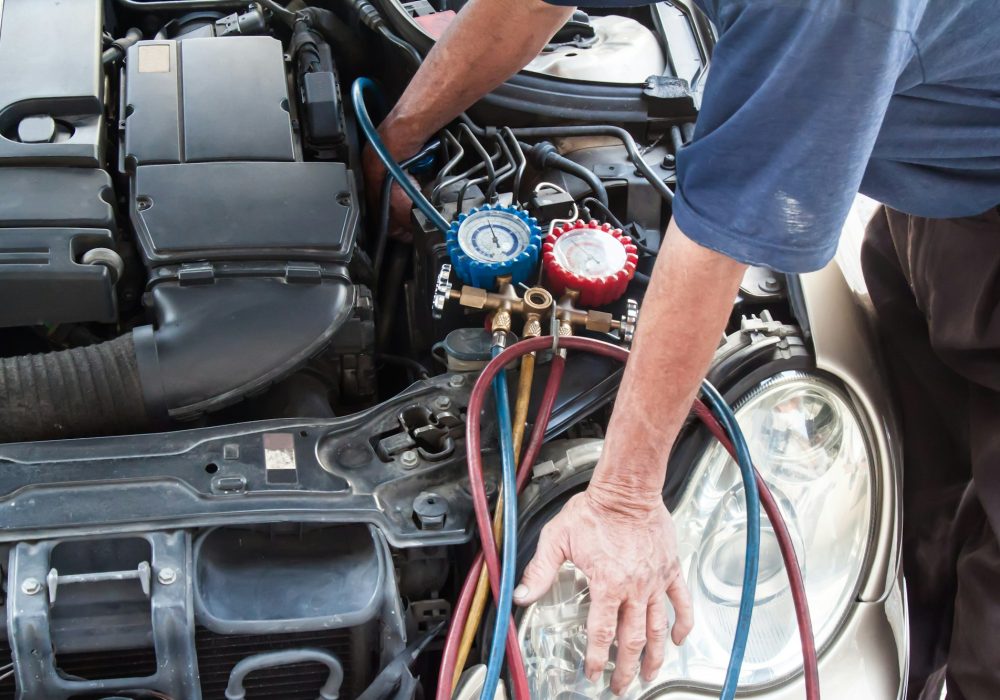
(212, 345)
(93, 390)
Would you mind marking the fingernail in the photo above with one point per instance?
(521, 592)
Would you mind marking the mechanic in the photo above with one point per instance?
(807, 102)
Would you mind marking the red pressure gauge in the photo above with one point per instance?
(594, 259)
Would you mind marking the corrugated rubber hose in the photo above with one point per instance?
(92, 390)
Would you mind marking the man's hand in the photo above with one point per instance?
(400, 204)
(618, 532)
(630, 560)
(463, 66)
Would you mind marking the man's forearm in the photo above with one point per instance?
(488, 41)
(683, 317)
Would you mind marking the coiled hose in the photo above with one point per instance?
(358, 90)
(489, 555)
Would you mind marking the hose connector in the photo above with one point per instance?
(368, 14)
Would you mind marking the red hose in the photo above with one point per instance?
(478, 488)
(810, 664)
(519, 678)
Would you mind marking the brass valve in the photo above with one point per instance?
(568, 316)
(534, 307)
(505, 303)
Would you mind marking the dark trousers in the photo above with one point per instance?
(935, 285)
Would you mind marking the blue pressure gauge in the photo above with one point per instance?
(492, 241)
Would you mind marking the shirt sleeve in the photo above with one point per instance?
(792, 106)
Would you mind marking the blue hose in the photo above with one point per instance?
(508, 562)
(509, 558)
(358, 89)
(728, 419)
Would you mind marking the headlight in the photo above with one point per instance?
(809, 446)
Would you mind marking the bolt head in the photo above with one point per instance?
(166, 576)
(430, 511)
(456, 381)
(31, 586)
(409, 458)
(442, 403)
(770, 284)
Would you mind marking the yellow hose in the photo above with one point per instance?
(483, 585)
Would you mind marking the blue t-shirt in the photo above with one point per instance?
(809, 101)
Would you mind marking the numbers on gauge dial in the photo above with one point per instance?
(493, 236)
(590, 252)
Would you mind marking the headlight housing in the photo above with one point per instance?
(811, 448)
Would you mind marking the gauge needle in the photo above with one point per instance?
(586, 252)
(496, 241)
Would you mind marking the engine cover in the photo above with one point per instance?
(246, 243)
(214, 158)
(55, 202)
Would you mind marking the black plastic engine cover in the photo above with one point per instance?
(49, 219)
(246, 243)
(216, 169)
(207, 99)
(240, 210)
(41, 280)
(54, 202)
(51, 94)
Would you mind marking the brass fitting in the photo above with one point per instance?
(569, 316)
(505, 303)
(535, 307)
(537, 304)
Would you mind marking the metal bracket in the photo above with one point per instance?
(53, 580)
(31, 628)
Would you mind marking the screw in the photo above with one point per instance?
(442, 403)
(409, 459)
(166, 576)
(143, 203)
(456, 381)
(31, 586)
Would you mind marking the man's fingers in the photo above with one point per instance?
(657, 624)
(680, 598)
(543, 567)
(601, 623)
(631, 641)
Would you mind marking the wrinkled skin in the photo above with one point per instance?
(630, 560)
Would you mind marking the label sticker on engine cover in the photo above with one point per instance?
(154, 58)
(279, 458)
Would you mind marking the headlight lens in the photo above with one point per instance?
(809, 446)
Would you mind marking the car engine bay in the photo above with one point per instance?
(233, 399)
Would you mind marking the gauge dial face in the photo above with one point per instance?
(588, 252)
(493, 236)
